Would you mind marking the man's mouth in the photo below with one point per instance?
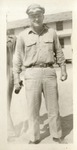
(36, 22)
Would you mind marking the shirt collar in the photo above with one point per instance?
(30, 30)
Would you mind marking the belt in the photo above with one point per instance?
(41, 65)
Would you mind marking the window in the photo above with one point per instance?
(59, 25)
(62, 42)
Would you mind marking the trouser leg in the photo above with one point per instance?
(33, 97)
(51, 97)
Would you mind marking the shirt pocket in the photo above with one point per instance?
(31, 47)
(30, 43)
(49, 48)
(48, 42)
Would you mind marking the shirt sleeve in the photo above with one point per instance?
(60, 59)
(17, 59)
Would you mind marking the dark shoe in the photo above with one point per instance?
(35, 142)
(59, 140)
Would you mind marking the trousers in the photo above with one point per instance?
(38, 81)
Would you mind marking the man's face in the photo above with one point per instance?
(36, 19)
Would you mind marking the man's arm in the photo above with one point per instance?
(60, 59)
(17, 64)
(63, 73)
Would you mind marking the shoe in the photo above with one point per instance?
(60, 140)
(35, 142)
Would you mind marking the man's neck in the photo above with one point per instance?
(38, 30)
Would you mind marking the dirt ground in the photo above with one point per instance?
(19, 112)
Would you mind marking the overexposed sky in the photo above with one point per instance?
(16, 8)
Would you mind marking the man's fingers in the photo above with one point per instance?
(63, 78)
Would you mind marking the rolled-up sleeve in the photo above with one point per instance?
(60, 59)
(17, 59)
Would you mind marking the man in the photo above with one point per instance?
(11, 42)
(36, 50)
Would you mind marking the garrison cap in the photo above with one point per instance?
(35, 8)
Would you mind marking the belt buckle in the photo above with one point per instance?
(45, 65)
(41, 65)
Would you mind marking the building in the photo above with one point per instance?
(61, 22)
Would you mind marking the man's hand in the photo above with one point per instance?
(63, 73)
(63, 77)
(18, 87)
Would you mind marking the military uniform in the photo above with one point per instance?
(37, 52)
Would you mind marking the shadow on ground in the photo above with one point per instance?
(66, 122)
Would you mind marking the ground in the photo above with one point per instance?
(19, 111)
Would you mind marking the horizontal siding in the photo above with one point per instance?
(48, 19)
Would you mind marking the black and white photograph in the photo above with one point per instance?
(39, 73)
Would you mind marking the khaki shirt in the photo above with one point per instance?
(32, 48)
